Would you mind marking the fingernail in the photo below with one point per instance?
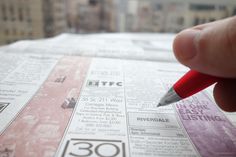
(185, 44)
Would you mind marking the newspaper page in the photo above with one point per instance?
(116, 115)
(102, 107)
(21, 76)
(154, 47)
(39, 126)
(135, 46)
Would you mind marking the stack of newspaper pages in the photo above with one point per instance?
(96, 96)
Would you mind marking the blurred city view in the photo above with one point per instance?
(33, 19)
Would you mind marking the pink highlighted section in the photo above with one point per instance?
(38, 129)
(208, 128)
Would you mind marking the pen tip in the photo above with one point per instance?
(170, 97)
(159, 104)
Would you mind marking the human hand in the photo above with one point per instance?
(211, 49)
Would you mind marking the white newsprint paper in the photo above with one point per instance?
(116, 115)
(97, 96)
(21, 76)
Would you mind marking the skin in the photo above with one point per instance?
(211, 49)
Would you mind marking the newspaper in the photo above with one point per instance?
(69, 105)
(154, 47)
(21, 77)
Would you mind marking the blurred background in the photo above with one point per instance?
(33, 19)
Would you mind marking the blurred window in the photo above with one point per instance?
(12, 12)
(4, 14)
(20, 14)
(196, 21)
(202, 7)
(6, 32)
(93, 2)
(222, 7)
(180, 20)
(28, 15)
(234, 12)
(158, 7)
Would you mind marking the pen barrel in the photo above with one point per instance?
(193, 82)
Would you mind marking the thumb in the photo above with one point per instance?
(209, 48)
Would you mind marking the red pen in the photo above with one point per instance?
(191, 83)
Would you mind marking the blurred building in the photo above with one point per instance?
(30, 19)
(175, 15)
(88, 16)
(72, 14)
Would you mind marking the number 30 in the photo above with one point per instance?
(87, 149)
